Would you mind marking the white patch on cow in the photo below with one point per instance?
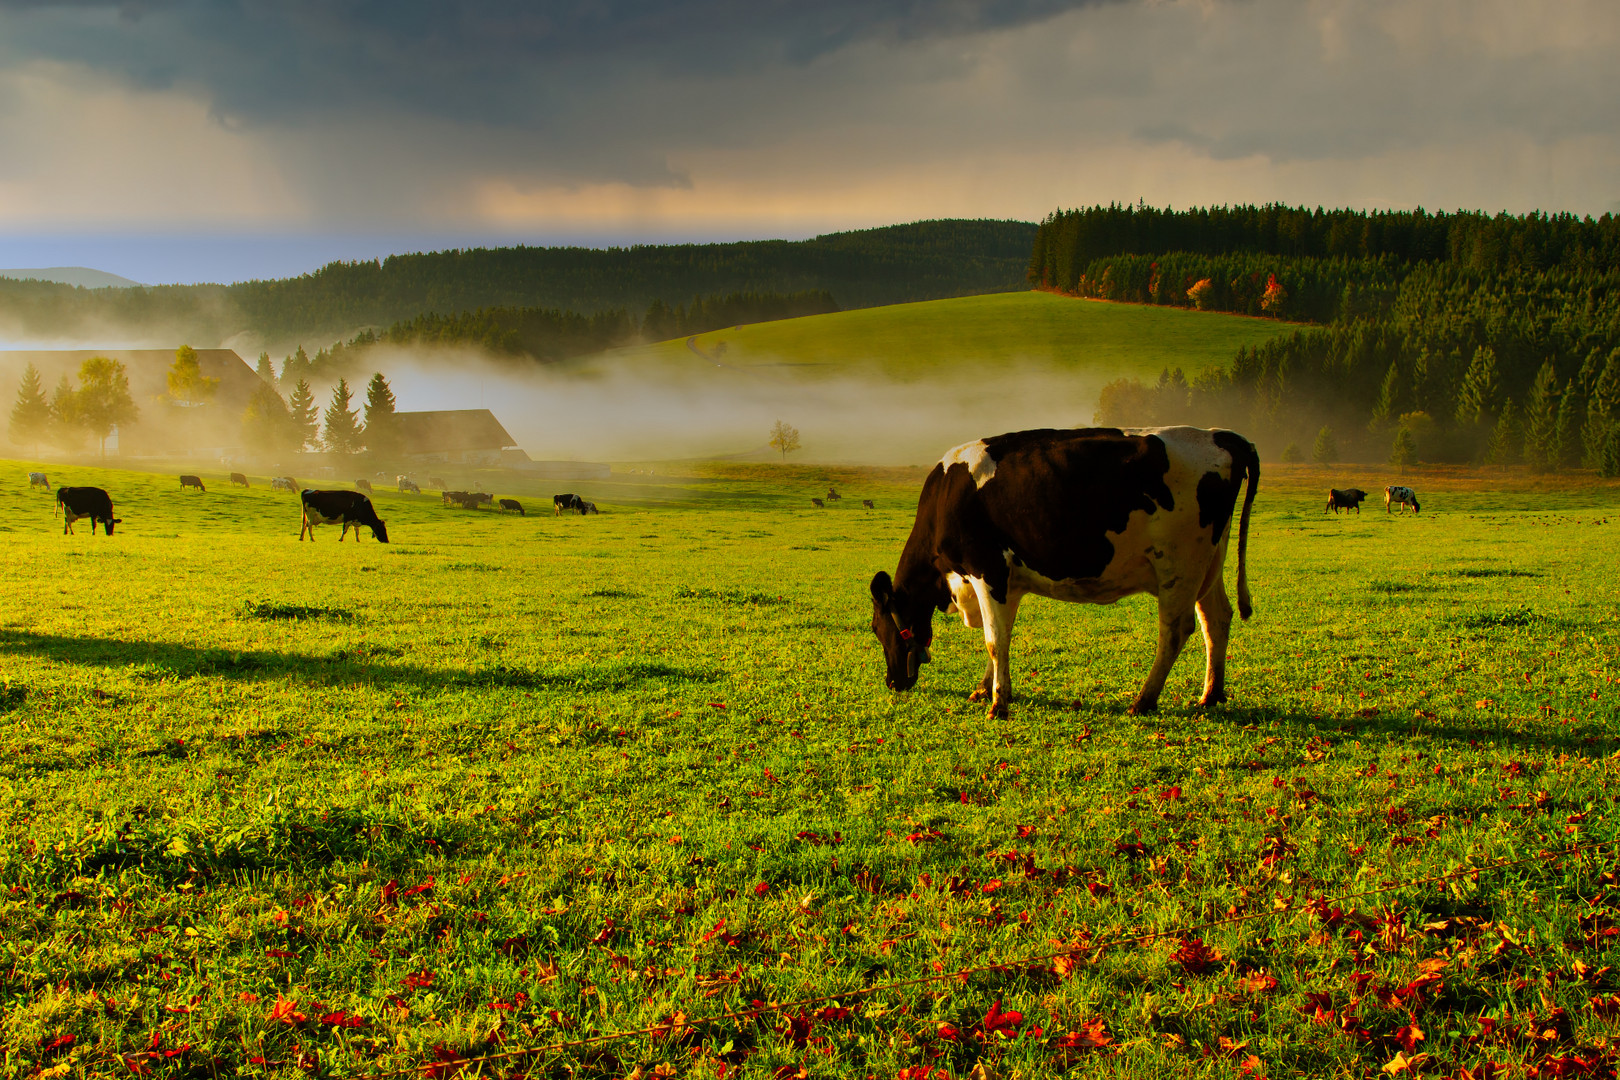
(976, 456)
(1192, 450)
(964, 600)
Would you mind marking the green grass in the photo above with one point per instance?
(999, 332)
(506, 782)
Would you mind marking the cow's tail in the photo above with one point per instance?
(1251, 465)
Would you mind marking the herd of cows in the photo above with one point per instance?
(350, 509)
(1350, 499)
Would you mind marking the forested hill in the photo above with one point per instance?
(899, 263)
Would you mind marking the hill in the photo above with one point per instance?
(82, 276)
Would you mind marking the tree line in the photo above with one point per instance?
(1455, 337)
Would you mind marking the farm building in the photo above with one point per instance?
(163, 428)
(461, 436)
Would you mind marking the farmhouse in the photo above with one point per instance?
(460, 436)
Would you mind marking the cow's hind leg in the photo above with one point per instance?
(1176, 624)
(1215, 617)
(998, 624)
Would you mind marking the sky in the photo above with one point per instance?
(223, 140)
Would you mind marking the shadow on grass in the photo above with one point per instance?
(159, 660)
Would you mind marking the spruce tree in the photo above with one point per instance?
(267, 424)
(1541, 420)
(342, 433)
(1567, 428)
(267, 370)
(1602, 405)
(31, 416)
(305, 418)
(1389, 399)
(382, 434)
(1506, 438)
(66, 431)
(1326, 450)
(1404, 450)
(1481, 389)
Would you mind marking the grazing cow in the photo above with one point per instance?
(363, 485)
(818, 504)
(188, 480)
(832, 495)
(86, 502)
(1349, 499)
(39, 479)
(240, 478)
(866, 504)
(283, 483)
(1087, 515)
(407, 484)
(559, 503)
(1404, 496)
(587, 508)
(513, 504)
(350, 508)
(467, 500)
(437, 484)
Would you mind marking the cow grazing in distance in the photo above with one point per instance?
(407, 484)
(1349, 499)
(436, 484)
(559, 503)
(818, 504)
(86, 502)
(866, 504)
(832, 495)
(467, 500)
(513, 504)
(1087, 515)
(283, 483)
(587, 508)
(188, 480)
(350, 508)
(240, 478)
(1396, 494)
(363, 485)
(39, 479)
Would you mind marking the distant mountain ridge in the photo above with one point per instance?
(82, 276)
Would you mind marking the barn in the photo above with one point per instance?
(454, 436)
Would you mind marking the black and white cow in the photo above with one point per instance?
(1087, 515)
(86, 502)
(866, 504)
(513, 504)
(350, 508)
(240, 478)
(1396, 495)
(189, 480)
(1349, 499)
(559, 503)
(283, 483)
(407, 484)
(587, 508)
(39, 479)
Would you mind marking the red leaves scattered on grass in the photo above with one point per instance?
(61, 1042)
(1195, 957)
(285, 1011)
(603, 935)
(419, 980)
(762, 888)
(998, 1024)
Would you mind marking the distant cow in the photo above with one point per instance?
(39, 479)
(363, 485)
(1349, 499)
(832, 495)
(559, 503)
(587, 508)
(86, 502)
(513, 504)
(867, 504)
(436, 483)
(188, 480)
(350, 508)
(1403, 496)
(818, 503)
(240, 478)
(1087, 515)
(467, 500)
(283, 483)
(407, 484)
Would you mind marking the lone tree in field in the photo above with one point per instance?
(187, 384)
(382, 438)
(343, 434)
(784, 437)
(306, 418)
(102, 401)
(31, 416)
(1404, 450)
(1326, 450)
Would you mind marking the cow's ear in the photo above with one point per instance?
(882, 589)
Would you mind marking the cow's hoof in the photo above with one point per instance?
(1143, 708)
(997, 711)
(981, 694)
(1217, 698)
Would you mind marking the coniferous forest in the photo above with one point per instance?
(1448, 337)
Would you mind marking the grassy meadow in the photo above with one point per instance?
(996, 333)
(273, 808)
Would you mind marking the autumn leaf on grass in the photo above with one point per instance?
(604, 934)
(1605, 1006)
(1195, 957)
(1260, 982)
(341, 1019)
(446, 1063)
(1093, 1035)
(672, 1027)
(418, 980)
(1409, 1036)
(61, 1042)
(1001, 1024)
(286, 1011)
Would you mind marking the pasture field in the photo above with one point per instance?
(996, 333)
(353, 809)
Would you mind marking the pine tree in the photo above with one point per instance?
(1541, 420)
(1481, 389)
(66, 431)
(266, 369)
(31, 416)
(382, 434)
(1567, 428)
(305, 418)
(1602, 406)
(1404, 450)
(1506, 438)
(1389, 399)
(342, 433)
(267, 424)
(295, 367)
(1326, 450)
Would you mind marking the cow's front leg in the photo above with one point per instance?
(998, 624)
(1215, 616)
(1176, 623)
(986, 684)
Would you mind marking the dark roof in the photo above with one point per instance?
(451, 429)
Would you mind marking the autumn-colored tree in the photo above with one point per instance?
(102, 401)
(784, 437)
(187, 384)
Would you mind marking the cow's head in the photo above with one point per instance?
(379, 529)
(106, 523)
(904, 631)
